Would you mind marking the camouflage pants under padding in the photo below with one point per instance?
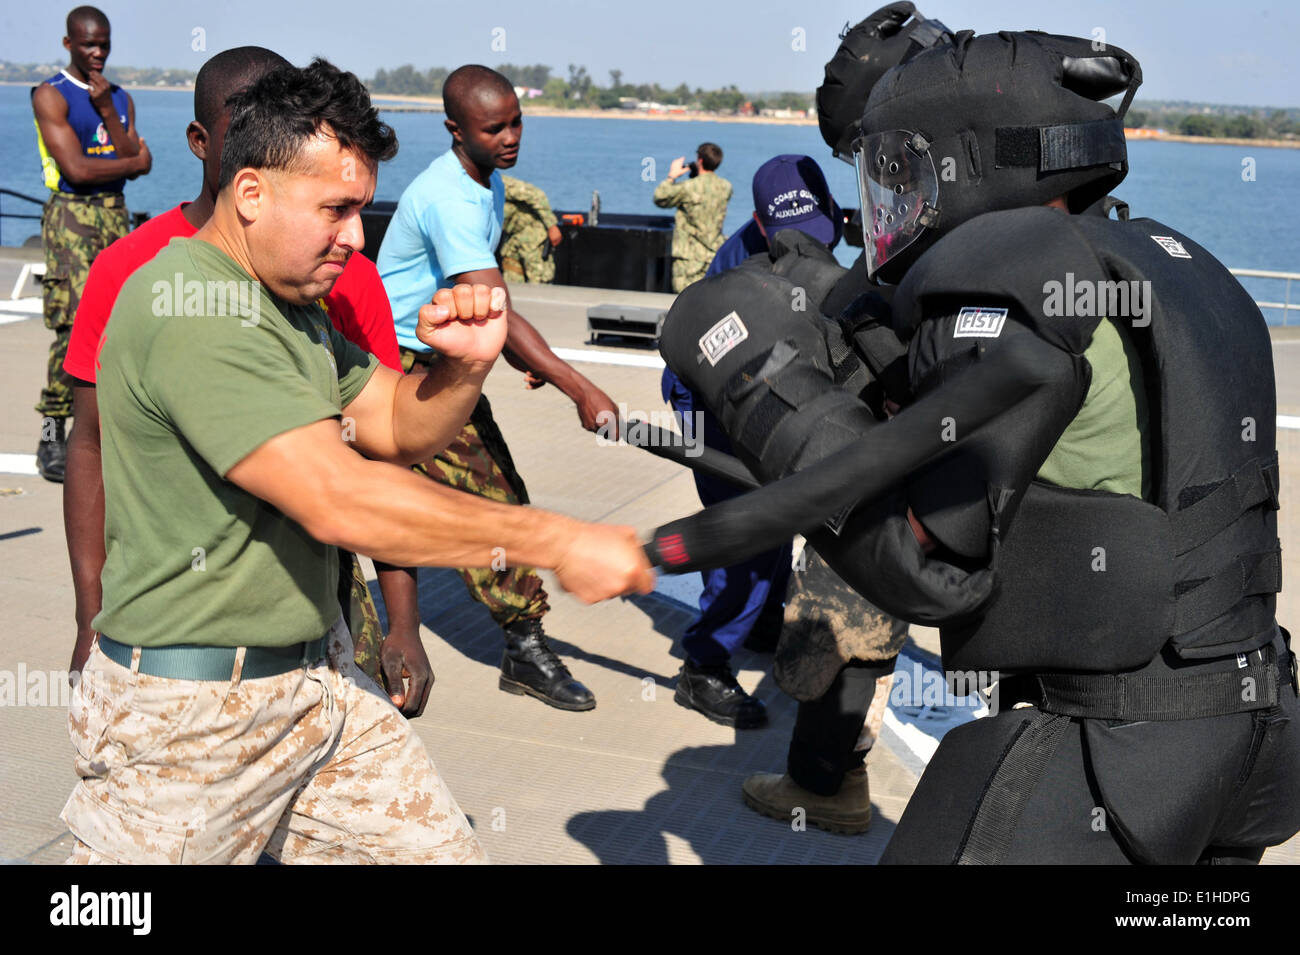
(687, 272)
(73, 231)
(314, 766)
(827, 624)
(362, 615)
(478, 461)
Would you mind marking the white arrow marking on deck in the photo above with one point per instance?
(17, 463)
(609, 358)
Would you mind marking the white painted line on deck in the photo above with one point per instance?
(1288, 421)
(609, 358)
(19, 310)
(17, 464)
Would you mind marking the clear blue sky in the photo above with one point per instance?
(1195, 50)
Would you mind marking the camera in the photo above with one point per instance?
(694, 167)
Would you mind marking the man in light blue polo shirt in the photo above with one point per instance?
(445, 231)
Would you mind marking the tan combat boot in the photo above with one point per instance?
(779, 796)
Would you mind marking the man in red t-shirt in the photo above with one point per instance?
(357, 306)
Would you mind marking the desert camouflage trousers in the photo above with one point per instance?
(312, 766)
(478, 461)
(74, 229)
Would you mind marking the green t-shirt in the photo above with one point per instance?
(1105, 447)
(195, 374)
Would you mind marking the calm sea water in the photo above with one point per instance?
(1197, 189)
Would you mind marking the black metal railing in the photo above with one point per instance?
(17, 215)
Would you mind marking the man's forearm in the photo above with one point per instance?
(95, 172)
(83, 520)
(431, 409)
(399, 586)
(125, 144)
(400, 517)
(525, 346)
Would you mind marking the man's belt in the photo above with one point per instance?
(1121, 696)
(188, 662)
(109, 200)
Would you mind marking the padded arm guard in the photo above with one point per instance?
(870, 465)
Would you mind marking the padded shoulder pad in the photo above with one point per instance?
(724, 325)
(807, 263)
(1036, 257)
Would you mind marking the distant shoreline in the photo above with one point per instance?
(436, 104)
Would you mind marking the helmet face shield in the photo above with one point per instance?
(898, 189)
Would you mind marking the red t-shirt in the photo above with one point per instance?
(357, 305)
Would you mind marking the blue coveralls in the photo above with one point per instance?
(735, 598)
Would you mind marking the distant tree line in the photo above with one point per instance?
(122, 75)
(577, 89)
(1220, 122)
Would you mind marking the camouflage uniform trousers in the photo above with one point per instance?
(312, 766)
(478, 461)
(524, 263)
(74, 229)
(362, 615)
(688, 272)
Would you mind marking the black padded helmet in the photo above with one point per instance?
(866, 52)
(986, 123)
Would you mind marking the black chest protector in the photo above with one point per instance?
(1091, 580)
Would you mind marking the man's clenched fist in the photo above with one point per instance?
(465, 323)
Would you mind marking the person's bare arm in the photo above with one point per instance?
(402, 658)
(526, 350)
(397, 516)
(101, 97)
(83, 515)
(52, 117)
(406, 419)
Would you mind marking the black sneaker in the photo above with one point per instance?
(530, 667)
(52, 452)
(713, 691)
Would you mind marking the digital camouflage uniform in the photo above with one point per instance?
(528, 216)
(74, 229)
(478, 461)
(701, 205)
(313, 765)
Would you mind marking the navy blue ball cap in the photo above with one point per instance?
(790, 192)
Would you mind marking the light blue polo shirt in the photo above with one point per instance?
(445, 224)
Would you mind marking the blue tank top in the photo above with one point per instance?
(89, 128)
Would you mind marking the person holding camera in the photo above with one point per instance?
(701, 204)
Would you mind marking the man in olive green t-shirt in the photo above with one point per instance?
(220, 712)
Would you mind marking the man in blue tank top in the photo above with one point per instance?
(85, 130)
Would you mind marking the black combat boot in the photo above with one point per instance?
(713, 691)
(530, 667)
(52, 452)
